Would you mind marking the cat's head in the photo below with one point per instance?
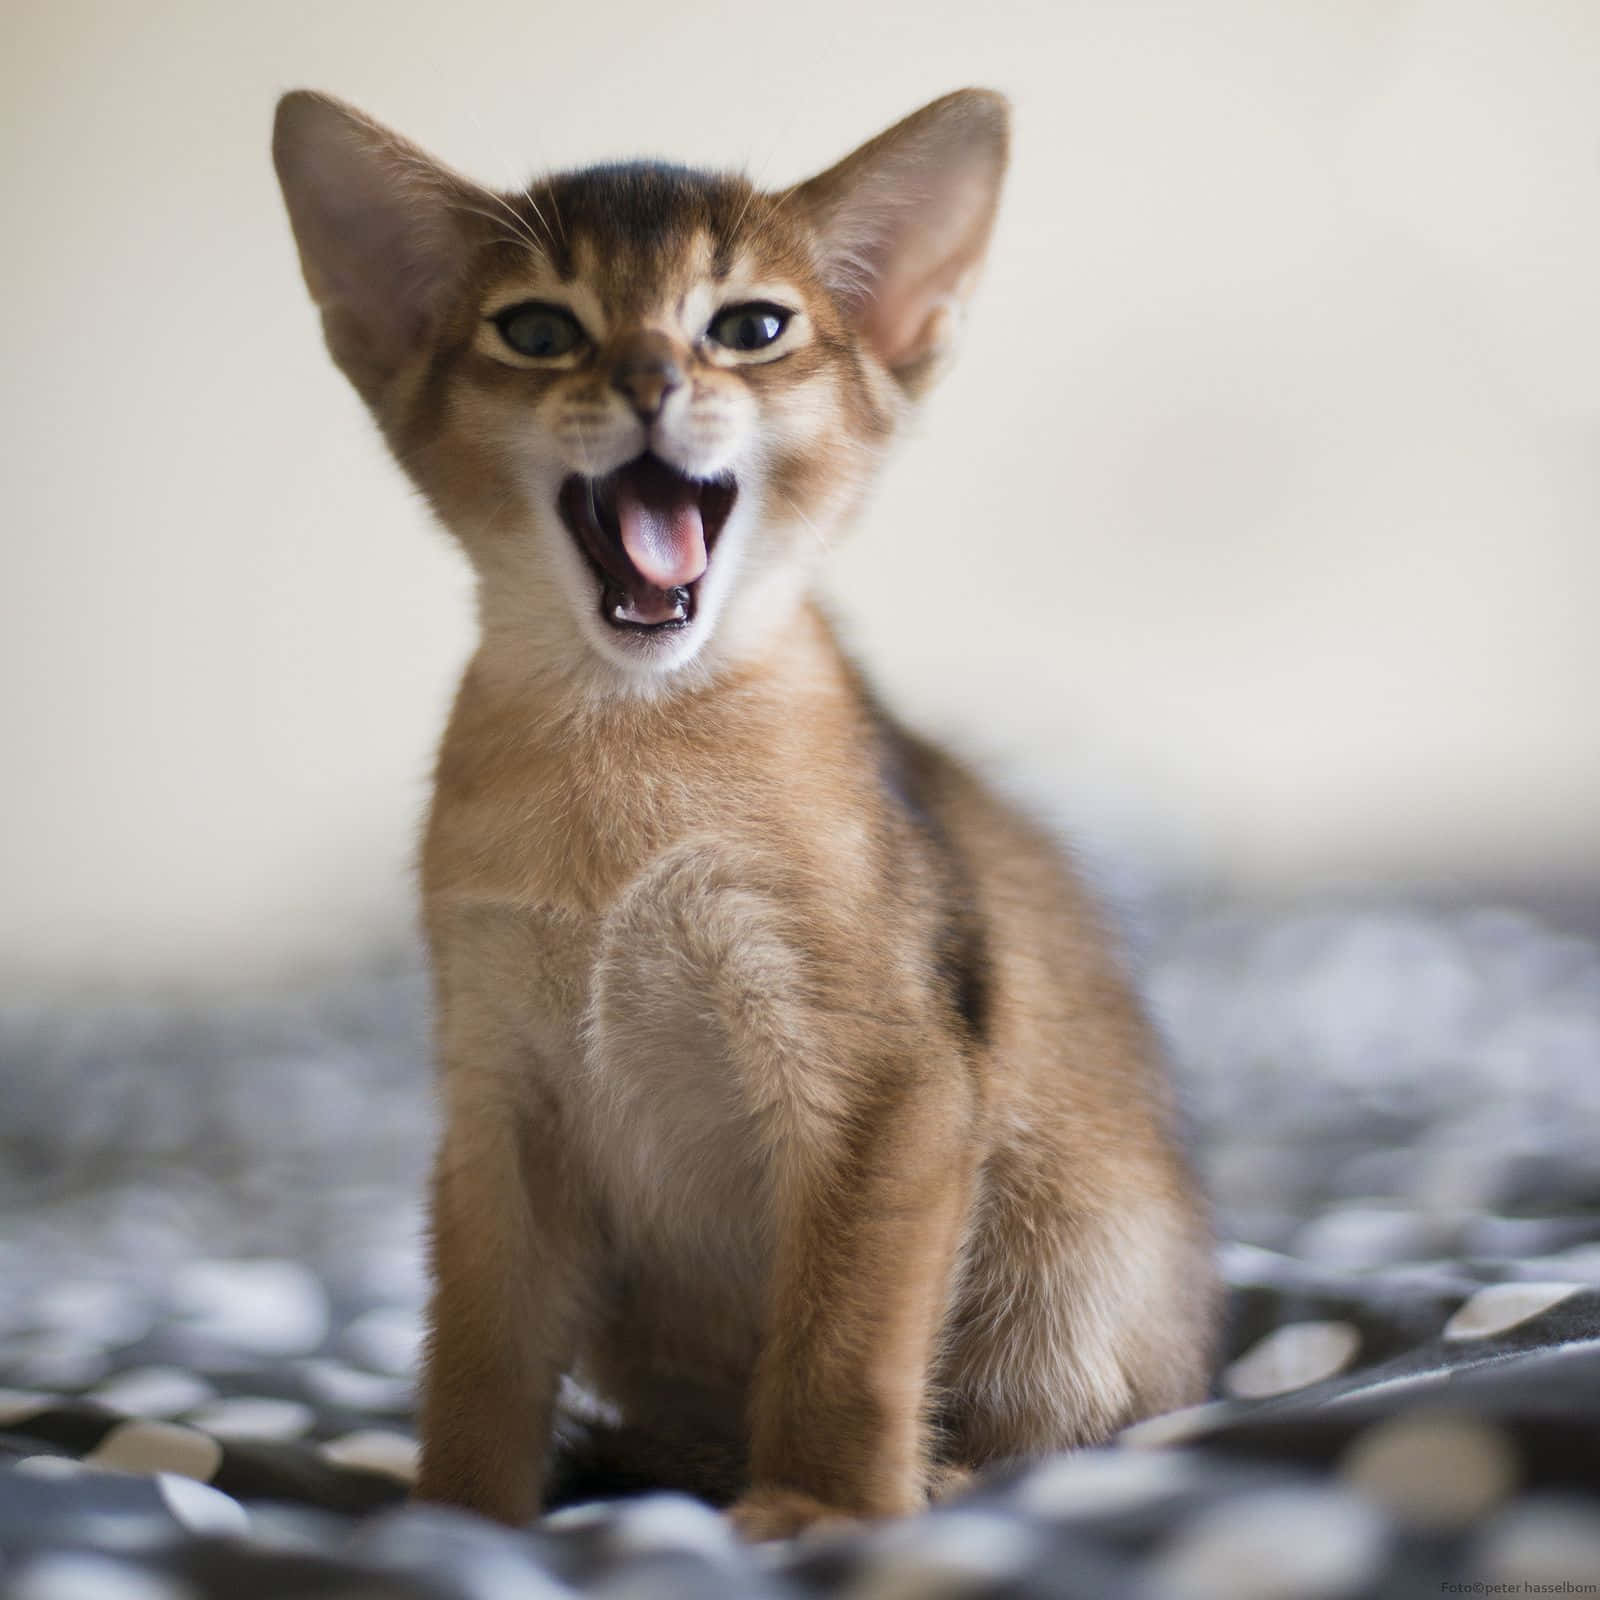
(643, 398)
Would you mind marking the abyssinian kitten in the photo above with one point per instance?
(794, 1104)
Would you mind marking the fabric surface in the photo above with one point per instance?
(211, 1292)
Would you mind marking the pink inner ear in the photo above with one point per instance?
(929, 260)
(375, 223)
(384, 257)
(905, 220)
(909, 322)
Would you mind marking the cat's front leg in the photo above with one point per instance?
(868, 1229)
(510, 1256)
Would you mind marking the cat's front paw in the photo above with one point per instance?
(781, 1514)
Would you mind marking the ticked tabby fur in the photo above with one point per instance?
(793, 1102)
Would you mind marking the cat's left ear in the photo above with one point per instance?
(904, 223)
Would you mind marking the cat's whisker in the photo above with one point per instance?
(584, 457)
(520, 221)
(744, 210)
(765, 219)
(757, 176)
(794, 507)
(509, 168)
(527, 194)
(427, 172)
(555, 210)
(523, 238)
(498, 512)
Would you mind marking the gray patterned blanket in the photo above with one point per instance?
(210, 1289)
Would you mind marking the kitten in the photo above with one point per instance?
(793, 1102)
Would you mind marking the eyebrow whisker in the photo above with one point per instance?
(555, 209)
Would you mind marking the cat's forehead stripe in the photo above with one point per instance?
(628, 222)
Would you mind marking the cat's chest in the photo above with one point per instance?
(624, 897)
(620, 1038)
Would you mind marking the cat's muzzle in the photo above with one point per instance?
(648, 533)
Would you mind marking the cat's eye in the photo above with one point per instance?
(540, 331)
(751, 327)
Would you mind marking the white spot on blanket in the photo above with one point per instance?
(1432, 1472)
(1096, 1483)
(659, 1523)
(109, 1313)
(49, 1466)
(1177, 1427)
(335, 1383)
(154, 1392)
(268, 1307)
(255, 1417)
(1365, 1236)
(72, 1576)
(1505, 1305)
(376, 1450)
(952, 1554)
(202, 1509)
(149, 1447)
(386, 1339)
(1292, 1357)
(585, 1514)
(1313, 1544)
(55, 1361)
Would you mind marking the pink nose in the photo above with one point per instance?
(645, 369)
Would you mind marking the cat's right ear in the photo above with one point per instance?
(380, 227)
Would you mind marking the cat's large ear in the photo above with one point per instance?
(380, 226)
(904, 222)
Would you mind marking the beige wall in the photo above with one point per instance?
(1263, 511)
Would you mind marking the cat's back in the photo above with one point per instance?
(1054, 1012)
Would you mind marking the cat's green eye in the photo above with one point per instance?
(541, 331)
(751, 327)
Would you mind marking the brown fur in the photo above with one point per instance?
(793, 1101)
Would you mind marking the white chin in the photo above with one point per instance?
(641, 655)
(646, 652)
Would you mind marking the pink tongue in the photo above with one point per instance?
(666, 542)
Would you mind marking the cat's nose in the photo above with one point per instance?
(644, 371)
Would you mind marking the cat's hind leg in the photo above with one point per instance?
(1070, 1322)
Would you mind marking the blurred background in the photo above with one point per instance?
(1257, 536)
(1257, 525)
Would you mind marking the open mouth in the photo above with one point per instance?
(648, 533)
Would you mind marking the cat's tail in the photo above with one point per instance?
(600, 1460)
